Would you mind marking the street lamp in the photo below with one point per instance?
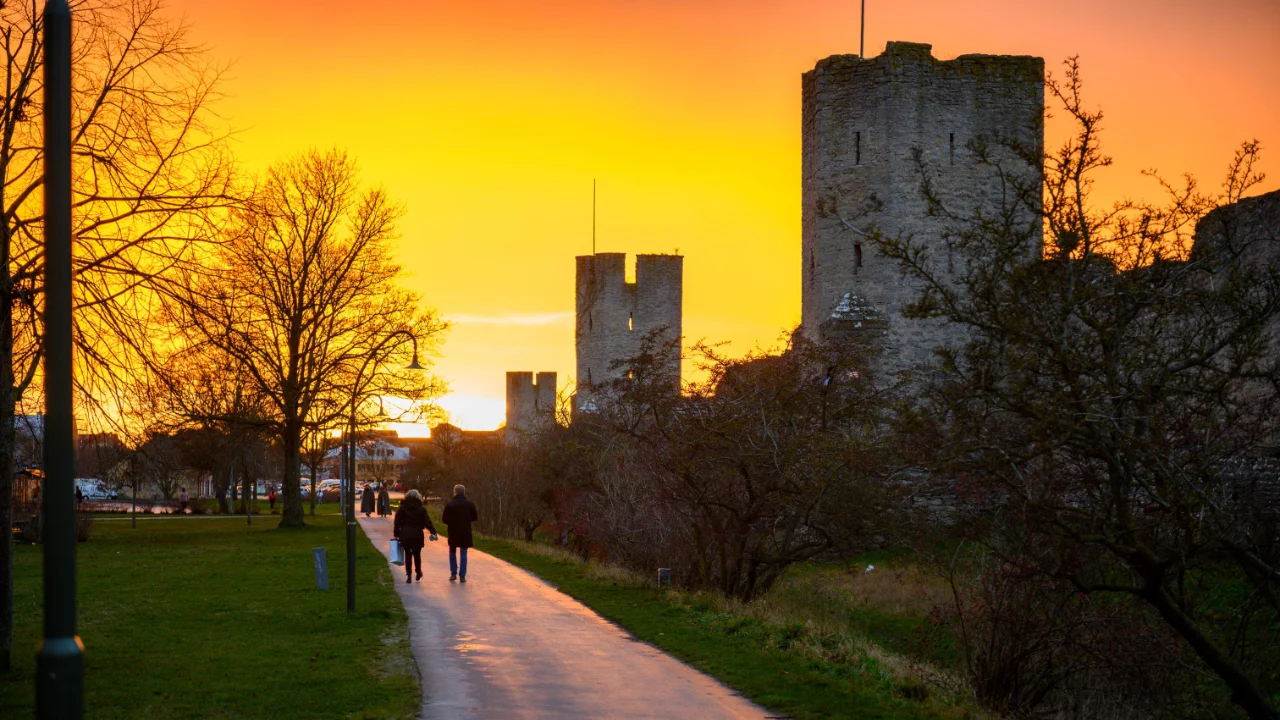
(351, 461)
(60, 662)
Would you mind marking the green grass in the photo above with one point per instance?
(218, 619)
(779, 665)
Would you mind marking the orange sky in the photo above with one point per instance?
(489, 119)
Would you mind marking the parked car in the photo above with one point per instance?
(328, 490)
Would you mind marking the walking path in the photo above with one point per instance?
(506, 645)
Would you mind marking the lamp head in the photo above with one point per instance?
(414, 365)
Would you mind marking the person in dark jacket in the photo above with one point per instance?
(411, 519)
(366, 501)
(384, 501)
(458, 516)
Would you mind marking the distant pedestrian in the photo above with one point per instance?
(458, 516)
(411, 519)
(183, 500)
(271, 498)
(384, 501)
(367, 501)
(79, 498)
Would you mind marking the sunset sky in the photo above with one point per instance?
(489, 120)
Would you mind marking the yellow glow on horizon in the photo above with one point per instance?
(489, 120)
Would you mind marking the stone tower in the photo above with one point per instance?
(531, 404)
(862, 120)
(614, 316)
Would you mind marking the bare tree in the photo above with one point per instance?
(149, 169)
(1107, 391)
(301, 295)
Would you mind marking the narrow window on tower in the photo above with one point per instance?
(631, 323)
(857, 148)
(857, 255)
(952, 151)
(588, 376)
(812, 268)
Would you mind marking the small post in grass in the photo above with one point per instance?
(664, 577)
(322, 568)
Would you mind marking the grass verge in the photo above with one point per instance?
(219, 619)
(801, 663)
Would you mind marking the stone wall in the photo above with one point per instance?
(531, 404)
(862, 120)
(614, 316)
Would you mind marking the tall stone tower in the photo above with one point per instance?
(614, 316)
(862, 120)
(531, 404)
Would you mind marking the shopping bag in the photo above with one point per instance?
(397, 554)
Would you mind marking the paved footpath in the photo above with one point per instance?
(506, 645)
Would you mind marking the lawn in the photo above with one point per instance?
(817, 668)
(204, 618)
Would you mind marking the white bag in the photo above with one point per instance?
(397, 554)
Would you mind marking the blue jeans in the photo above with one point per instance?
(454, 568)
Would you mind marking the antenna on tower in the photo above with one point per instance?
(593, 216)
(862, 39)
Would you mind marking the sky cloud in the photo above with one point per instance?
(511, 319)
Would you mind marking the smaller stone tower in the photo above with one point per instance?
(531, 404)
(615, 316)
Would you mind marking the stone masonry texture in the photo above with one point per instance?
(614, 316)
(531, 404)
(862, 120)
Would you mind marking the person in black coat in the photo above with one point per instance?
(411, 519)
(384, 501)
(458, 516)
(366, 500)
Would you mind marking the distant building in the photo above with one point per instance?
(376, 461)
(531, 404)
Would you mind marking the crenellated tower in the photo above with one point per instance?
(863, 122)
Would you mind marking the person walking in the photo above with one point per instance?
(271, 498)
(79, 498)
(411, 519)
(384, 501)
(183, 500)
(458, 516)
(366, 500)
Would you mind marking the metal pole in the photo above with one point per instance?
(60, 662)
(862, 29)
(351, 507)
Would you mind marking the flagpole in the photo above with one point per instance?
(862, 27)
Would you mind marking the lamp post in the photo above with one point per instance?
(60, 662)
(350, 503)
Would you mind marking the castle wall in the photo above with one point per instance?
(614, 316)
(531, 405)
(862, 119)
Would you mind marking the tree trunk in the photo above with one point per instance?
(291, 514)
(1244, 692)
(6, 513)
(7, 402)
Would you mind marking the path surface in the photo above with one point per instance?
(507, 645)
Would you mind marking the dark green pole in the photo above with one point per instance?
(351, 508)
(60, 662)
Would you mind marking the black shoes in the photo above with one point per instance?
(408, 578)
(462, 579)
(452, 578)
(419, 576)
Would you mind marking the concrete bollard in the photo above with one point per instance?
(664, 577)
